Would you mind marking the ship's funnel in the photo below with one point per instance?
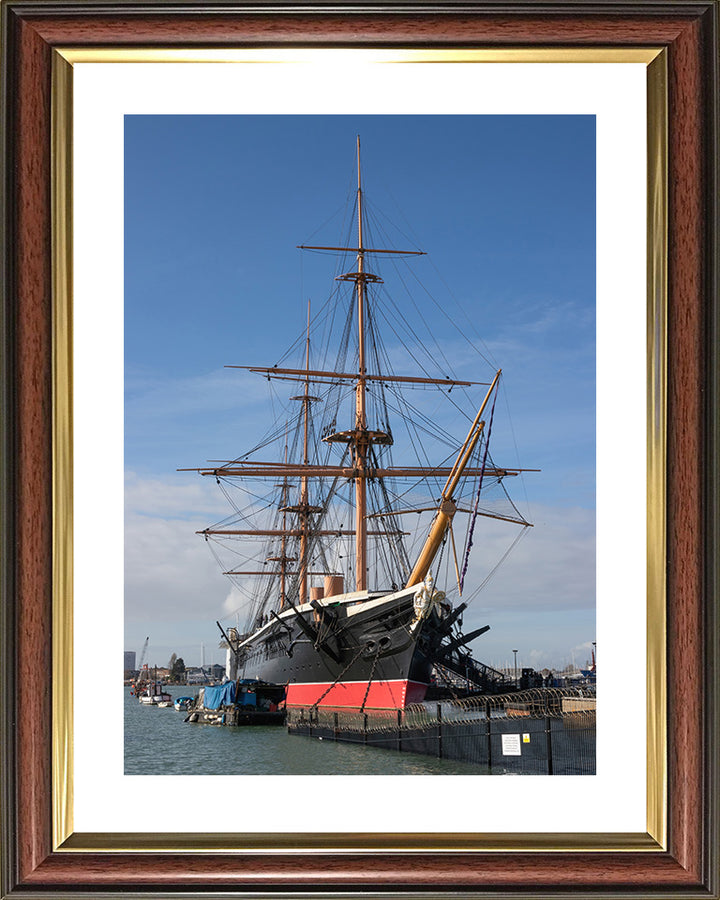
(334, 585)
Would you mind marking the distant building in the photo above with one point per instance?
(204, 674)
(129, 664)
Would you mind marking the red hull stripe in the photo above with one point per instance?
(395, 694)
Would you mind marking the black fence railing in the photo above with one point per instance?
(537, 732)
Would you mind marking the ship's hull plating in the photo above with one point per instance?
(371, 654)
(386, 694)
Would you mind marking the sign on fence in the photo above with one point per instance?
(511, 744)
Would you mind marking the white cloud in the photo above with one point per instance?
(181, 495)
(233, 602)
(168, 571)
(551, 568)
(151, 394)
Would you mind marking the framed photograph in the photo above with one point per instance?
(89, 92)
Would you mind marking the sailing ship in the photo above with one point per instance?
(368, 628)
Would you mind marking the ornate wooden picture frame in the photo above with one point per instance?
(41, 857)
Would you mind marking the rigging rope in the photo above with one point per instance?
(477, 496)
(337, 313)
(499, 563)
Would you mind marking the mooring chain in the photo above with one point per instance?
(372, 672)
(322, 696)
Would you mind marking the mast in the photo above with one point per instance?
(359, 438)
(303, 508)
(283, 543)
(283, 540)
(283, 559)
(304, 503)
(360, 416)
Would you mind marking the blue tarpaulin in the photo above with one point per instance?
(222, 695)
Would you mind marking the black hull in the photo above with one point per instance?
(369, 654)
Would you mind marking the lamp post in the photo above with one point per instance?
(516, 678)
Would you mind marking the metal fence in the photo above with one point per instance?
(546, 731)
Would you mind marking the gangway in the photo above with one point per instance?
(462, 671)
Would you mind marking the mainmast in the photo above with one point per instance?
(361, 436)
(304, 501)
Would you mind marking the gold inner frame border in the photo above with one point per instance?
(64, 837)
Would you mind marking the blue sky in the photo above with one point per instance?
(214, 209)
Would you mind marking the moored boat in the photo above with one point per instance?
(239, 703)
(152, 693)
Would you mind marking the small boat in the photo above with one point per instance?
(242, 702)
(164, 703)
(184, 702)
(152, 694)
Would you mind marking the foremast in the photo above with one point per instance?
(361, 438)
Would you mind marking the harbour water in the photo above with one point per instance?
(160, 742)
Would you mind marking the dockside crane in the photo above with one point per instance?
(143, 654)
